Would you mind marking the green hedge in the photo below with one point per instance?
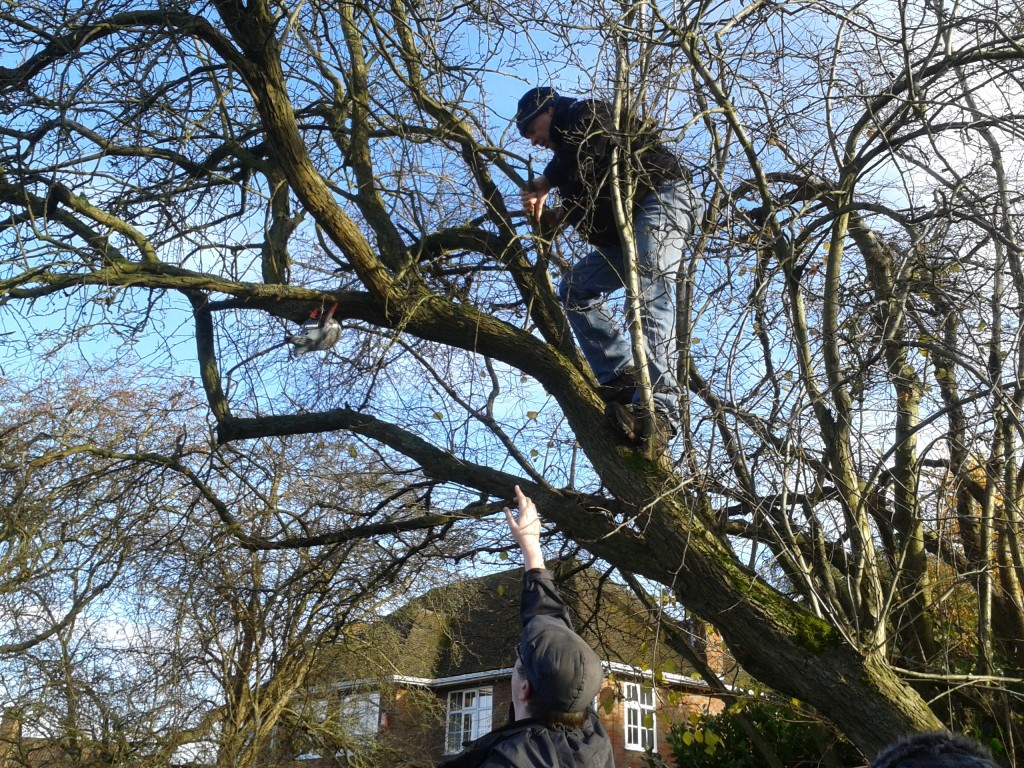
(796, 739)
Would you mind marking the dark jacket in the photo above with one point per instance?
(529, 743)
(583, 134)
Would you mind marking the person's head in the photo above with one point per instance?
(534, 113)
(934, 749)
(556, 676)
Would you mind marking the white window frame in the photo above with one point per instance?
(359, 714)
(638, 704)
(469, 714)
(316, 710)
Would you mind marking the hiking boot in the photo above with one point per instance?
(629, 421)
(620, 389)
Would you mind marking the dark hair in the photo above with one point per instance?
(558, 719)
(934, 749)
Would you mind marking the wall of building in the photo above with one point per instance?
(670, 707)
(413, 723)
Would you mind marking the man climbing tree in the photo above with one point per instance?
(584, 137)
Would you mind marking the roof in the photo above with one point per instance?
(467, 629)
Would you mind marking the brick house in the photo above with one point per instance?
(412, 688)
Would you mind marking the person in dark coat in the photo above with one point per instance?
(934, 749)
(582, 135)
(555, 681)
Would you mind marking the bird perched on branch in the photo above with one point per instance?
(317, 333)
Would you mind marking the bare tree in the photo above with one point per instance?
(64, 528)
(189, 641)
(849, 319)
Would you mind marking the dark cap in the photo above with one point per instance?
(563, 671)
(934, 749)
(534, 101)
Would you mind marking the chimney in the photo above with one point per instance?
(10, 736)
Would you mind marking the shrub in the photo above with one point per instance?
(723, 740)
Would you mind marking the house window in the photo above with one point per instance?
(469, 717)
(359, 714)
(641, 725)
(354, 722)
(313, 714)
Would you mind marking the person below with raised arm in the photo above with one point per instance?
(582, 135)
(555, 680)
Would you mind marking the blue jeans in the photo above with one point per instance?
(662, 222)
